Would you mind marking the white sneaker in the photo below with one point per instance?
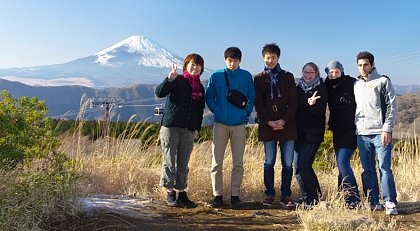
(390, 208)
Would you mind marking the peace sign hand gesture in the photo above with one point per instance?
(313, 98)
(172, 75)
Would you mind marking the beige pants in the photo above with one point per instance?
(221, 135)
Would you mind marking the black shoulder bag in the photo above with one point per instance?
(235, 97)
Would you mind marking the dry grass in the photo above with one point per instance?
(332, 215)
(124, 166)
(31, 196)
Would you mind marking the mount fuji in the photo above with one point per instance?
(135, 60)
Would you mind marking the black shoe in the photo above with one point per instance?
(184, 202)
(171, 199)
(236, 203)
(217, 202)
(299, 201)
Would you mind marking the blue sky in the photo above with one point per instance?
(35, 32)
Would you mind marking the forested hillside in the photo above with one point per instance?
(408, 115)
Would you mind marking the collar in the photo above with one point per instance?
(232, 73)
(372, 75)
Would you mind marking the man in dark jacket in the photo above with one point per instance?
(276, 104)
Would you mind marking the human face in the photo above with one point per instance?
(193, 68)
(364, 67)
(308, 73)
(334, 73)
(271, 60)
(232, 64)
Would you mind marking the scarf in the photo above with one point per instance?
(194, 80)
(333, 83)
(311, 85)
(274, 82)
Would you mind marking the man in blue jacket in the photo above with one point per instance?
(229, 123)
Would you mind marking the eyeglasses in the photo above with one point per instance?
(309, 72)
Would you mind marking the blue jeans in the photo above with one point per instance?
(306, 153)
(270, 149)
(302, 193)
(346, 180)
(370, 146)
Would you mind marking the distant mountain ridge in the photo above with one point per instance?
(405, 89)
(135, 60)
(65, 101)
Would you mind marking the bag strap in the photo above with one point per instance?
(227, 81)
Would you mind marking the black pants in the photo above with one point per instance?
(306, 156)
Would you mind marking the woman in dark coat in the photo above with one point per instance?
(310, 119)
(181, 123)
(342, 106)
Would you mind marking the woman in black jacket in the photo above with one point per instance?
(342, 106)
(310, 119)
(181, 123)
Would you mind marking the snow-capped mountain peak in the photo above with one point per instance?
(146, 53)
(133, 44)
(134, 60)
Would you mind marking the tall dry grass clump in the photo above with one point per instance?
(33, 196)
(121, 165)
(332, 214)
(406, 164)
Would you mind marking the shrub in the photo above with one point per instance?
(25, 131)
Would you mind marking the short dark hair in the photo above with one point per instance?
(366, 55)
(197, 59)
(271, 48)
(233, 53)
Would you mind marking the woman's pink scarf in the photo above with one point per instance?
(195, 84)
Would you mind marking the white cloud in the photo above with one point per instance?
(51, 82)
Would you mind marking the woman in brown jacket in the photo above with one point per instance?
(276, 104)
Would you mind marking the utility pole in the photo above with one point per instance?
(108, 103)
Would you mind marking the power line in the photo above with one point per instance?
(399, 56)
(96, 104)
(107, 103)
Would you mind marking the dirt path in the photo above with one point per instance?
(117, 213)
